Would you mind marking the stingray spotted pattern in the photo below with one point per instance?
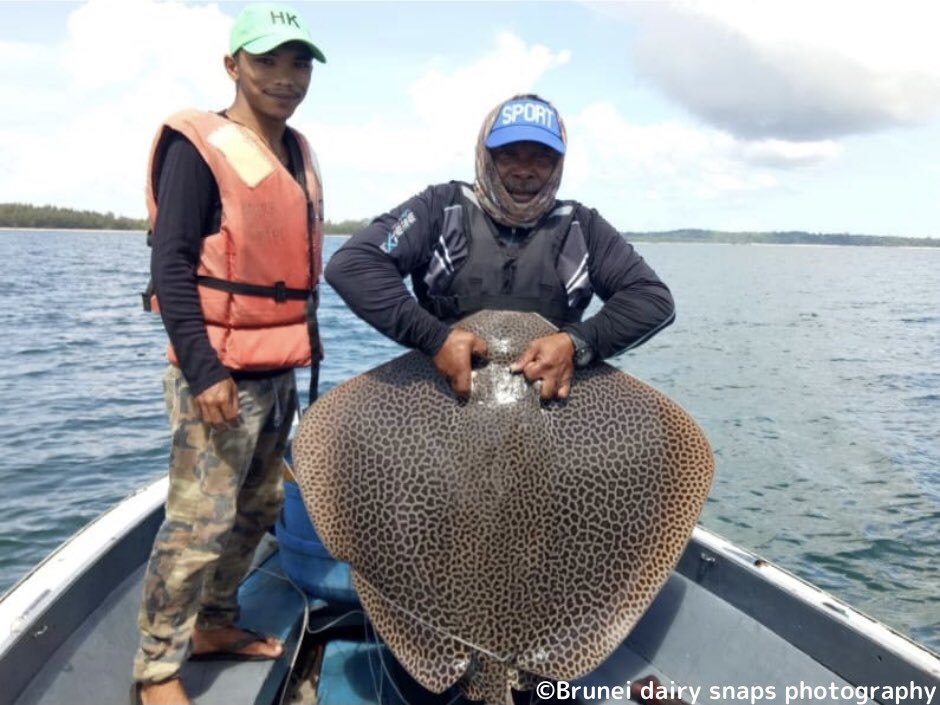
(500, 538)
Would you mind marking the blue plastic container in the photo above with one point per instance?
(304, 557)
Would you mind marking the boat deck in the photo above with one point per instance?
(727, 623)
(689, 637)
(94, 664)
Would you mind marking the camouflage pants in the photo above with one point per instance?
(225, 491)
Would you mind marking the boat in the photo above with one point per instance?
(728, 623)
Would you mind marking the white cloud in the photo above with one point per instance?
(113, 44)
(784, 154)
(792, 70)
(671, 174)
(390, 157)
(91, 105)
(439, 127)
(676, 152)
(459, 99)
(124, 66)
(25, 94)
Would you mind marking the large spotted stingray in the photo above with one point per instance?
(501, 540)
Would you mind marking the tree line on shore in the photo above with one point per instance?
(790, 237)
(23, 215)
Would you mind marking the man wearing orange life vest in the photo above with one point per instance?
(236, 214)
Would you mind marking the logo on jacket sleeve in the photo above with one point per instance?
(404, 222)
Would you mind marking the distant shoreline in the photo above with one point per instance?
(27, 217)
(116, 231)
(671, 237)
(112, 231)
(55, 219)
(821, 245)
(793, 237)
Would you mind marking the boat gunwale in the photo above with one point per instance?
(31, 596)
(824, 602)
(24, 605)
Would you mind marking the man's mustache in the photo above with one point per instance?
(521, 186)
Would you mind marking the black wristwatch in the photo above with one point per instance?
(583, 353)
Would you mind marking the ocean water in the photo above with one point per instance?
(814, 371)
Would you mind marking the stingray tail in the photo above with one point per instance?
(488, 679)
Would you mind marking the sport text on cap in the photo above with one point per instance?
(263, 27)
(526, 120)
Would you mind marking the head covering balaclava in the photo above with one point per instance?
(488, 187)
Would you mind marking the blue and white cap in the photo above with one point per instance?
(526, 120)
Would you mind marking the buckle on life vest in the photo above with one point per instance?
(280, 292)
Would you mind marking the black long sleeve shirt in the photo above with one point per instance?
(189, 209)
(371, 280)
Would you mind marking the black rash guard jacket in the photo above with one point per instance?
(371, 281)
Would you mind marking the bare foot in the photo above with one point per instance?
(169, 692)
(235, 641)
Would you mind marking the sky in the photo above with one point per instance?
(757, 115)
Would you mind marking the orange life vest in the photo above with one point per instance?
(256, 274)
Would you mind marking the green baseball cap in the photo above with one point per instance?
(261, 28)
